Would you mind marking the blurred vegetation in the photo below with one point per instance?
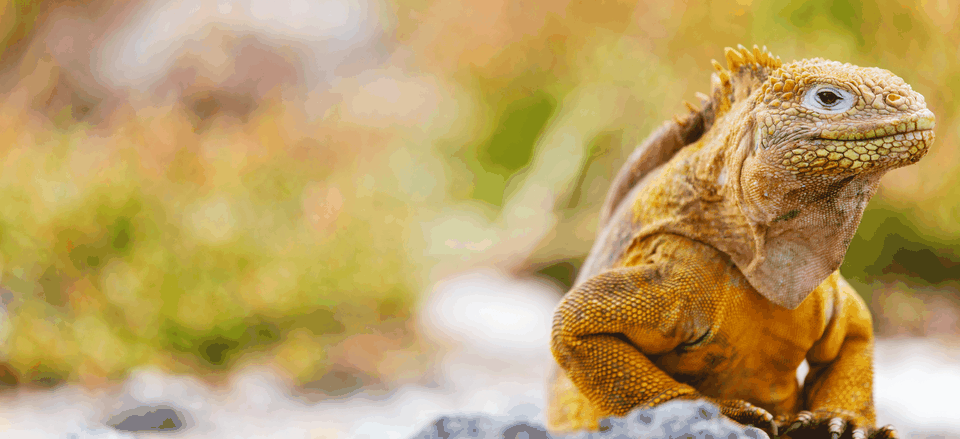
(227, 227)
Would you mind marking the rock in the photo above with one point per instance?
(148, 419)
(676, 419)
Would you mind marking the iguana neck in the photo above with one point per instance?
(785, 237)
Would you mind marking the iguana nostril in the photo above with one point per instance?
(893, 98)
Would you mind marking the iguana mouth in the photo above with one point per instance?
(826, 156)
(922, 121)
(904, 136)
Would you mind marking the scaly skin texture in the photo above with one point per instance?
(715, 272)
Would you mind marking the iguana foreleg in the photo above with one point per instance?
(604, 330)
(838, 391)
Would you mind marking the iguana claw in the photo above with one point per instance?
(748, 414)
(885, 432)
(810, 424)
(836, 427)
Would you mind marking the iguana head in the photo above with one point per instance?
(807, 143)
(826, 120)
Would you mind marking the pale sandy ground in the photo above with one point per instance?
(493, 333)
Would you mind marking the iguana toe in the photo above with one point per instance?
(748, 414)
(836, 427)
(802, 420)
(885, 432)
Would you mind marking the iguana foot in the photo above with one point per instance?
(748, 414)
(807, 424)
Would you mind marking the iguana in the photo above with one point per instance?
(714, 274)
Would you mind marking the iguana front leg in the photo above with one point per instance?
(605, 328)
(838, 390)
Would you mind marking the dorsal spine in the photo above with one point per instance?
(745, 72)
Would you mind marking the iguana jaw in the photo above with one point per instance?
(850, 148)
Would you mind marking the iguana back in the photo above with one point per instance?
(748, 69)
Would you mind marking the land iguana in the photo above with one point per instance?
(714, 274)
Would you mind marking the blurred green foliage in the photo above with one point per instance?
(889, 247)
(518, 126)
(109, 265)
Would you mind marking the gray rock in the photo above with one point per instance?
(159, 418)
(673, 420)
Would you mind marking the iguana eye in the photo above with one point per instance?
(828, 99)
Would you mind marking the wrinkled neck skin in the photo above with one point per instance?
(786, 233)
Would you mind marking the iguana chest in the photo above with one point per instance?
(754, 351)
(746, 347)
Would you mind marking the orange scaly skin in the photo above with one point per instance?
(715, 272)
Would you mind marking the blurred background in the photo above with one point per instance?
(335, 202)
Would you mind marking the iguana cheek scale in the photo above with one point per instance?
(714, 274)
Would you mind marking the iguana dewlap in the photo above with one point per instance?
(715, 272)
